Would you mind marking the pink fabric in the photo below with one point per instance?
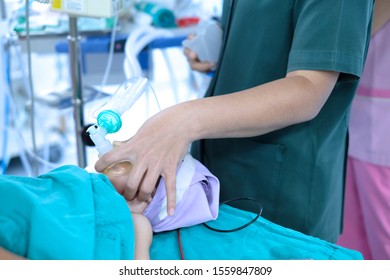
(369, 127)
(376, 68)
(367, 213)
(369, 132)
(367, 197)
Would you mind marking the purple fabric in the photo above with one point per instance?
(198, 204)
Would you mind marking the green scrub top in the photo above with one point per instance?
(297, 172)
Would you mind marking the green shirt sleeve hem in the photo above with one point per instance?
(326, 61)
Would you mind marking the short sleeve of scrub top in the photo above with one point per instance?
(325, 40)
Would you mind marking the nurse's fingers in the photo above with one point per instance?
(110, 158)
(191, 55)
(191, 36)
(170, 185)
(148, 184)
(137, 206)
(202, 66)
(134, 181)
(196, 64)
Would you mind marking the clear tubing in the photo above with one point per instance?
(4, 79)
(34, 165)
(111, 53)
(16, 115)
(128, 93)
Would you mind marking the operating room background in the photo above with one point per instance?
(168, 72)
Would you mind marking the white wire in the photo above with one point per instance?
(172, 76)
(17, 122)
(30, 85)
(110, 54)
(20, 140)
(155, 95)
(4, 92)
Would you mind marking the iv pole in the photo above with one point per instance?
(3, 14)
(77, 87)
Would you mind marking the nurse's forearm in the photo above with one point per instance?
(297, 98)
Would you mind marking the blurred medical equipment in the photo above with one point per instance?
(148, 41)
(4, 106)
(18, 115)
(160, 15)
(207, 41)
(4, 90)
(138, 38)
(7, 107)
(106, 8)
(88, 8)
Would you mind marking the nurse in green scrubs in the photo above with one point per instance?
(273, 124)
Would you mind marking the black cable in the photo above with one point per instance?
(243, 226)
(224, 230)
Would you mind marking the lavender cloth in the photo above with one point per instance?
(197, 198)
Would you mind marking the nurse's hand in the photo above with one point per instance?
(155, 151)
(194, 61)
(137, 206)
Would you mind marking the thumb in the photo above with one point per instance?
(109, 159)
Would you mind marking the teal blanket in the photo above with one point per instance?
(261, 240)
(67, 213)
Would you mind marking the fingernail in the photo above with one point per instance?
(171, 212)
